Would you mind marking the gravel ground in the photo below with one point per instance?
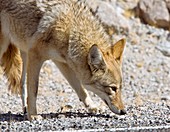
(146, 93)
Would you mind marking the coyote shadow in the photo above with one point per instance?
(21, 117)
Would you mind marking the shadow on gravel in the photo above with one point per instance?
(12, 117)
(20, 117)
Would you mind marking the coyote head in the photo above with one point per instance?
(106, 73)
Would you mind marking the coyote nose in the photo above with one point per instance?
(122, 112)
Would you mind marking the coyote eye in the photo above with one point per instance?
(113, 88)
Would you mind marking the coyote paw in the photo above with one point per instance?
(96, 109)
(24, 110)
(91, 106)
(34, 117)
(93, 109)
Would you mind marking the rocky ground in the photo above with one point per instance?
(146, 91)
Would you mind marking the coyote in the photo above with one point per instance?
(66, 32)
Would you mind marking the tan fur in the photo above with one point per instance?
(66, 32)
(12, 66)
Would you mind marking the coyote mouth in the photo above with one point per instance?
(114, 109)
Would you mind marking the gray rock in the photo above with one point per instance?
(164, 47)
(109, 14)
(111, 17)
(154, 12)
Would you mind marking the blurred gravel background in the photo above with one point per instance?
(146, 91)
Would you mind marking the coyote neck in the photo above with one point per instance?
(86, 31)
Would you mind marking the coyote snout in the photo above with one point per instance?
(115, 102)
(107, 76)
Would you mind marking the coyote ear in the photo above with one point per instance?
(95, 58)
(118, 48)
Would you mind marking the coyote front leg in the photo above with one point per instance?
(76, 85)
(33, 69)
(23, 85)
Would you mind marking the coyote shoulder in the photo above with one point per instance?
(66, 32)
